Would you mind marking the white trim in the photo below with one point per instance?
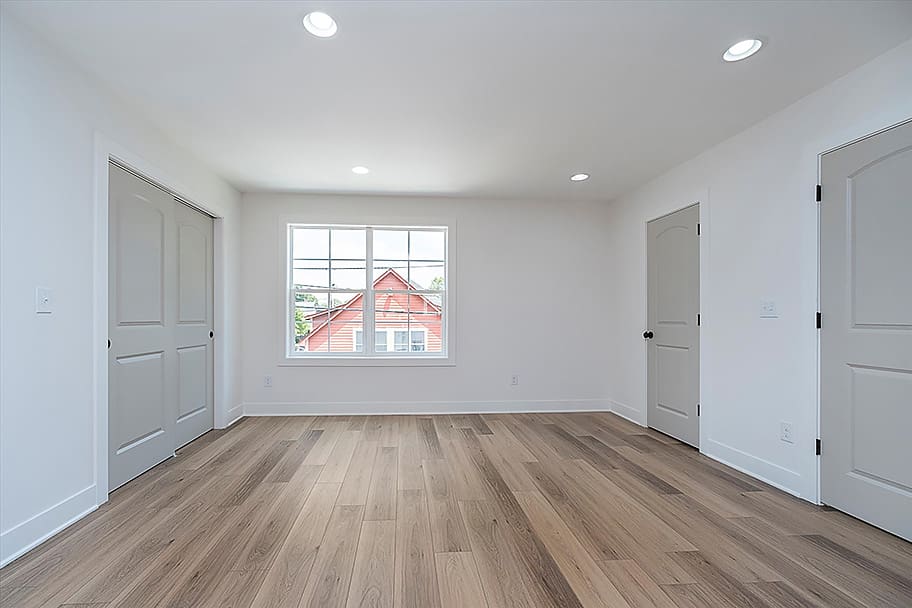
(105, 150)
(233, 415)
(392, 408)
(625, 411)
(27, 535)
(758, 468)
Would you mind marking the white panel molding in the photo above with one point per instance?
(758, 468)
(630, 413)
(424, 407)
(35, 530)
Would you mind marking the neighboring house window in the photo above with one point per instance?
(379, 341)
(349, 283)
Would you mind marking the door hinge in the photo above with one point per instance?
(819, 193)
(819, 319)
(818, 447)
(698, 228)
(698, 409)
(698, 319)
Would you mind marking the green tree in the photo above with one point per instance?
(302, 325)
(437, 283)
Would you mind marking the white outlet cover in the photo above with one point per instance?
(44, 301)
(769, 309)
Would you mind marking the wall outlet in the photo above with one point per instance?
(514, 380)
(44, 301)
(768, 309)
(267, 381)
(785, 432)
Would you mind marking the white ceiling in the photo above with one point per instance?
(502, 99)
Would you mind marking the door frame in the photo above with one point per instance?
(700, 198)
(820, 303)
(106, 151)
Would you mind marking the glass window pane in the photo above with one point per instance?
(380, 341)
(391, 275)
(427, 275)
(400, 341)
(349, 244)
(310, 243)
(390, 244)
(427, 245)
(359, 341)
(348, 274)
(310, 274)
(427, 319)
(418, 341)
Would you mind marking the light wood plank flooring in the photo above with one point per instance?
(500, 511)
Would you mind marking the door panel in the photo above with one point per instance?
(673, 354)
(142, 366)
(194, 346)
(866, 336)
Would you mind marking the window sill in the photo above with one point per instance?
(446, 361)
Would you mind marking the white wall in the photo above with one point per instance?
(759, 224)
(528, 301)
(50, 115)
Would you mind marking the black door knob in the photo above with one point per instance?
(648, 335)
(211, 335)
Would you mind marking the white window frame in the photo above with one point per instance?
(368, 357)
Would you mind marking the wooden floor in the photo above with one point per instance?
(456, 511)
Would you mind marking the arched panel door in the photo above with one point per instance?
(672, 336)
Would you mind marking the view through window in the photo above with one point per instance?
(362, 291)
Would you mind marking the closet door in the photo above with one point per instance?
(193, 332)
(160, 379)
(142, 310)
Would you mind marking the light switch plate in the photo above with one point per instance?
(43, 300)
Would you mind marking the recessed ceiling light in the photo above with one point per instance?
(742, 50)
(579, 177)
(320, 24)
(359, 170)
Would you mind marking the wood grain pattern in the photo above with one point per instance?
(460, 586)
(468, 511)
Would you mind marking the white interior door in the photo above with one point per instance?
(159, 316)
(194, 325)
(142, 396)
(866, 332)
(673, 335)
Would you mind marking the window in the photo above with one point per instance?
(367, 292)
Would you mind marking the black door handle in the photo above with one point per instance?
(648, 334)
(211, 335)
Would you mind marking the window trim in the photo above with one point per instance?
(367, 358)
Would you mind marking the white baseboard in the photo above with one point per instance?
(777, 476)
(234, 414)
(423, 407)
(35, 530)
(625, 411)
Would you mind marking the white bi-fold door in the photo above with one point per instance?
(160, 359)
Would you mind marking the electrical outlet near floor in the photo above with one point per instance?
(514, 380)
(785, 432)
(267, 381)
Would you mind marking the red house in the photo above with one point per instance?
(405, 322)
